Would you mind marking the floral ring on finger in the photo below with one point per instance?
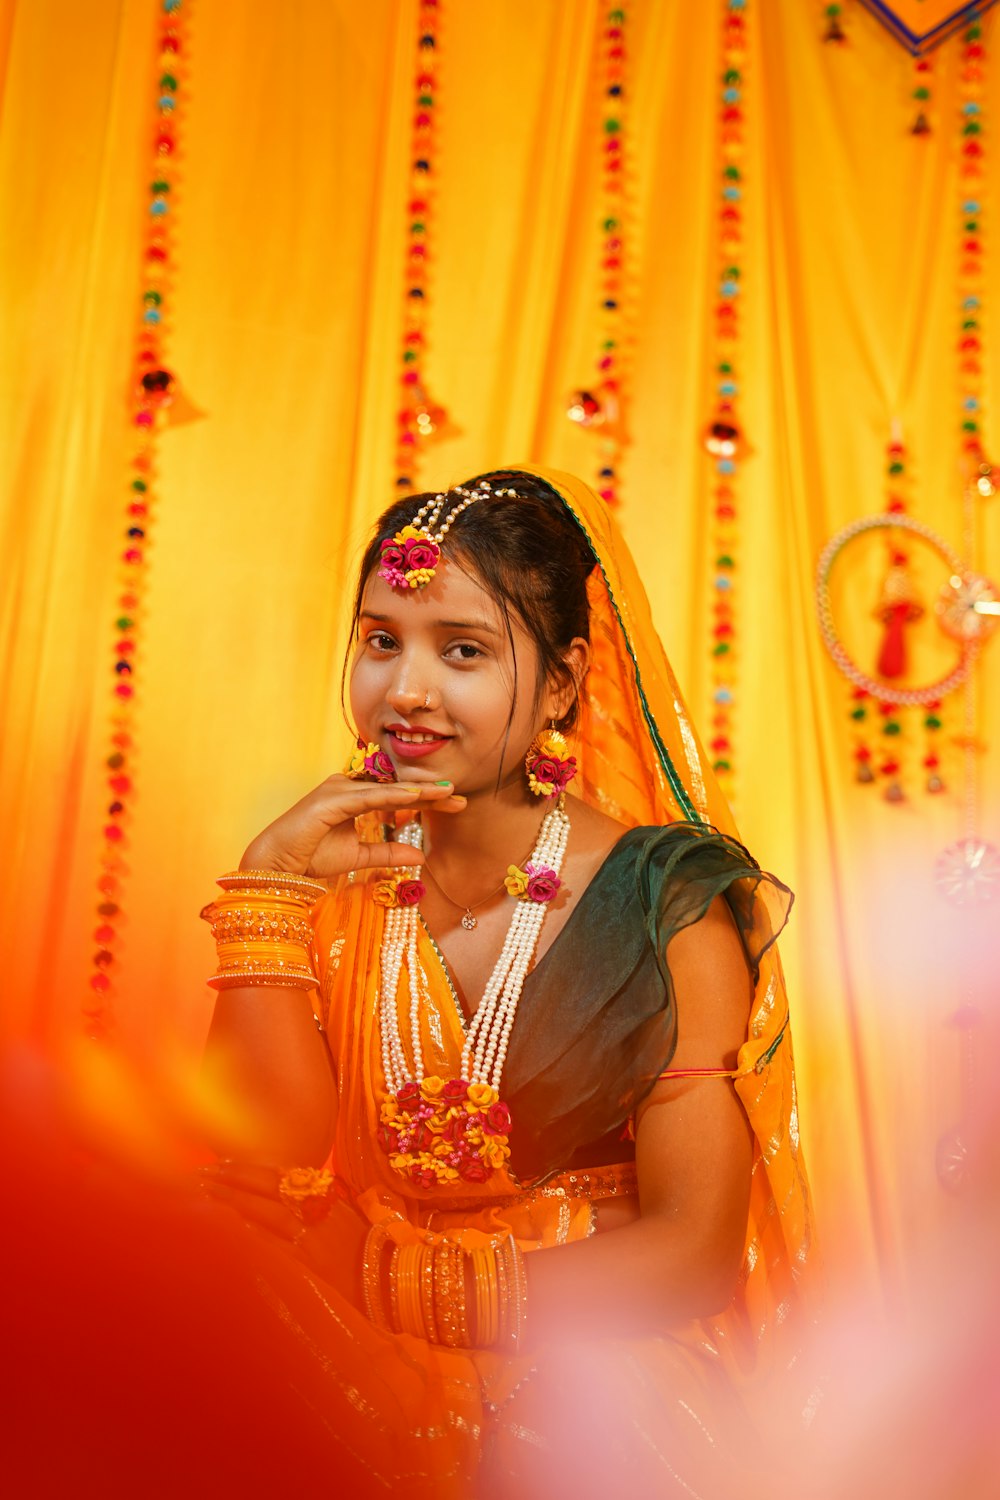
(310, 1193)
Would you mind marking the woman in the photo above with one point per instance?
(582, 1049)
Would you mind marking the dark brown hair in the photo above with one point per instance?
(529, 553)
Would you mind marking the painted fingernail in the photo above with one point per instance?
(442, 783)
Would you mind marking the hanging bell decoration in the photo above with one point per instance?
(723, 438)
(987, 480)
(157, 387)
(921, 125)
(897, 608)
(585, 409)
(427, 418)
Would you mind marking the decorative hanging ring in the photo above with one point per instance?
(881, 691)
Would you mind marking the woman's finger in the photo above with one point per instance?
(352, 798)
(383, 856)
(245, 1176)
(265, 1212)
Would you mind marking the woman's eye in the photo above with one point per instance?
(465, 651)
(379, 641)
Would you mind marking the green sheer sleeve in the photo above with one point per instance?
(597, 1022)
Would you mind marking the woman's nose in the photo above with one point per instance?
(407, 690)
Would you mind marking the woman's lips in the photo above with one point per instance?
(413, 749)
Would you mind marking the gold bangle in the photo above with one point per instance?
(372, 1276)
(397, 1327)
(410, 1310)
(487, 1301)
(517, 1293)
(427, 1291)
(273, 882)
(503, 1297)
(262, 931)
(449, 1296)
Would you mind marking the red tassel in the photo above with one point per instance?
(892, 657)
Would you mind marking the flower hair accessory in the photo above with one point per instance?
(549, 768)
(369, 761)
(410, 558)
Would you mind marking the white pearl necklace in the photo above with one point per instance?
(485, 1050)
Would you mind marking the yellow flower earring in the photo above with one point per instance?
(549, 768)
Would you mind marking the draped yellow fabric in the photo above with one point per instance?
(286, 317)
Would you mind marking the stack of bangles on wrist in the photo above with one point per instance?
(262, 930)
(438, 1291)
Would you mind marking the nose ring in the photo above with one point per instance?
(427, 699)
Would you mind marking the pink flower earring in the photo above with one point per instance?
(549, 768)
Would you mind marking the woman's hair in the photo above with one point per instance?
(530, 555)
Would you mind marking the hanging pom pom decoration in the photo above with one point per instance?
(834, 29)
(419, 417)
(600, 405)
(154, 388)
(921, 94)
(723, 438)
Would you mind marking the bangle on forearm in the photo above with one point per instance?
(429, 1294)
(262, 930)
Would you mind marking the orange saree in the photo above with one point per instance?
(675, 1409)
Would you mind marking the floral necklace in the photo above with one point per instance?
(436, 1130)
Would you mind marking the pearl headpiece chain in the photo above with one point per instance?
(409, 559)
(436, 1130)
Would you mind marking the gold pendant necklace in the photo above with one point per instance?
(469, 922)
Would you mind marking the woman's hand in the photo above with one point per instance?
(317, 836)
(332, 1247)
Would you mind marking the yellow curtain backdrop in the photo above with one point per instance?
(286, 312)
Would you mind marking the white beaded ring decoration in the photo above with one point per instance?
(903, 697)
(410, 558)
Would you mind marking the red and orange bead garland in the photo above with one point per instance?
(152, 385)
(602, 405)
(972, 178)
(724, 439)
(418, 417)
(434, 1130)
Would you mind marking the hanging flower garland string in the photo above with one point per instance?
(969, 871)
(153, 389)
(724, 438)
(418, 417)
(601, 406)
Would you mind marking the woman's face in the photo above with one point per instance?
(446, 646)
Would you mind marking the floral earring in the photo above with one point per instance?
(369, 762)
(549, 768)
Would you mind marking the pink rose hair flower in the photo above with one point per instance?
(408, 560)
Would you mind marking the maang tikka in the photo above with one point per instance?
(410, 558)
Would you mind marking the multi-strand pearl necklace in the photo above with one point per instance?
(436, 1130)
